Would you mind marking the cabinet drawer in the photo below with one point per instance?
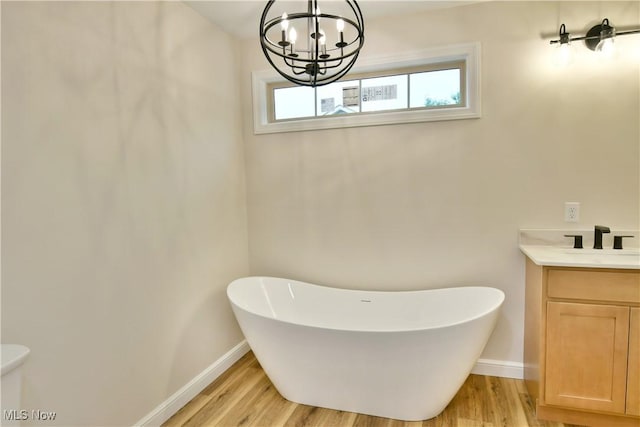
(594, 284)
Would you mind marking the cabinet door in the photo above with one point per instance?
(633, 381)
(586, 356)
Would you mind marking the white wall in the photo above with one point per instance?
(123, 197)
(440, 203)
(124, 212)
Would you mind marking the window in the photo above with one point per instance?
(438, 84)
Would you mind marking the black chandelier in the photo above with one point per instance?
(312, 47)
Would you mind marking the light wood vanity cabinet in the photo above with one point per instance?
(582, 344)
(633, 374)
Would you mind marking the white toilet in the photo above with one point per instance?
(13, 356)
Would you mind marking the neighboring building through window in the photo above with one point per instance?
(438, 84)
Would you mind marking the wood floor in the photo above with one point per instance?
(244, 396)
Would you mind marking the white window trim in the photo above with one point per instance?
(469, 52)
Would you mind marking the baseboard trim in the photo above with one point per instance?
(499, 368)
(166, 409)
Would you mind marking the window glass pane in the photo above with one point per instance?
(435, 88)
(339, 98)
(293, 102)
(384, 93)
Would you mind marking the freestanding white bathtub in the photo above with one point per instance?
(401, 355)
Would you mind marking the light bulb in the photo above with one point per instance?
(340, 25)
(284, 24)
(563, 54)
(605, 47)
(293, 35)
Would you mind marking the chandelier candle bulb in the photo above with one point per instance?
(293, 36)
(284, 25)
(340, 27)
(323, 46)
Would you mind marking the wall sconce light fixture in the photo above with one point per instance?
(563, 54)
(599, 38)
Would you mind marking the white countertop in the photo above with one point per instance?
(552, 248)
(588, 258)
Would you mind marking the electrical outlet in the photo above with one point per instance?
(571, 211)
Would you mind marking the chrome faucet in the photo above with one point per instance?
(597, 235)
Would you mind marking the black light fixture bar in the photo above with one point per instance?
(571, 39)
(594, 35)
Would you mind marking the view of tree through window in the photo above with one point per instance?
(435, 88)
